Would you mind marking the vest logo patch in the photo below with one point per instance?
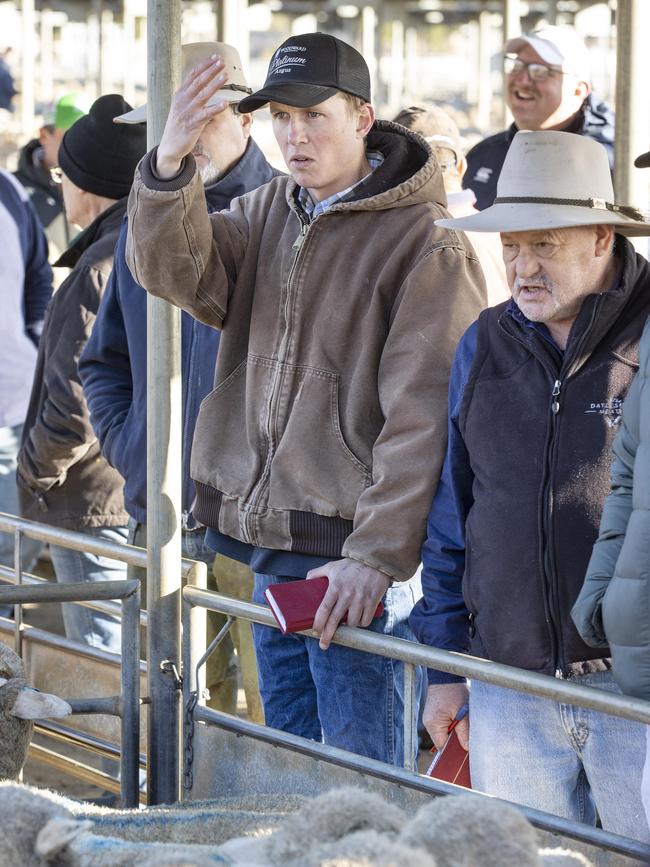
(612, 410)
(483, 175)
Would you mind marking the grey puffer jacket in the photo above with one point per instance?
(614, 604)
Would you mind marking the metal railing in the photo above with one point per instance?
(411, 654)
(126, 706)
(195, 601)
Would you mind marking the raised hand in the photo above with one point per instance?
(189, 114)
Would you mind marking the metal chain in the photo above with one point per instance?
(188, 779)
(188, 729)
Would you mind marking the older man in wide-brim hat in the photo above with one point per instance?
(535, 400)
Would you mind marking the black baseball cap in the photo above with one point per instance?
(643, 162)
(306, 70)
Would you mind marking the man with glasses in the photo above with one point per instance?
(38, 170)
(546, 87)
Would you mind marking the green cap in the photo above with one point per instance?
(68, 110)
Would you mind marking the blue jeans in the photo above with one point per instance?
(83, 624)
(31, 548)
(344, 697)
(645, 783)
(562, 759)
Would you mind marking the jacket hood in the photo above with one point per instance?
(595, 118)
(598, 118)
(409, 174)
(31, 171)
(109, 219)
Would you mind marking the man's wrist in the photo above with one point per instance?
(165, 167)
(443, 678)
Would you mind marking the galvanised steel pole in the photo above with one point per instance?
(632, 114)
(164, 459)
(27, 61)
(511, 27)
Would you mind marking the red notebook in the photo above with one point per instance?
(451, 763)
(295, 603)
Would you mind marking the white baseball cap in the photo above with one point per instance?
(557, 46)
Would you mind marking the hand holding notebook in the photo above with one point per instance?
(294, 604)
(451, 763)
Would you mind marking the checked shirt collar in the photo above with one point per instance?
(313, 209)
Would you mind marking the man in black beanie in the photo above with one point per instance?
(62, 476)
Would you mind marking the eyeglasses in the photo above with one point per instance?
(537, 71)
(56, 175)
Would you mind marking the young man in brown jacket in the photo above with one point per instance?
(340, 305)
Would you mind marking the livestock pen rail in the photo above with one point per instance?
(225, 755)
(125, 705)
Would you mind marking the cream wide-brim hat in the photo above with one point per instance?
(235, 89)
(552, 180)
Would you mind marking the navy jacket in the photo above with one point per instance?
(485, 159)
(113, 366)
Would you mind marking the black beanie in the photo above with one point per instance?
(100, 156)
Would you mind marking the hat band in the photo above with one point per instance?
(597, 204)
(600, 204)
(237, 87)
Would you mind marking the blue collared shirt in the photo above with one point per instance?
(315, 209)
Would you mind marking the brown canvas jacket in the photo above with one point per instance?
(326, 429)
(62, 477)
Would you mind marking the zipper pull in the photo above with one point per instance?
(297, 244)
(555, 394)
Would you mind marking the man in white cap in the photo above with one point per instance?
(535, 399)
(547, 86)
(340, 305)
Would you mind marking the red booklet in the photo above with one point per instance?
(451, 763)
(295, 603)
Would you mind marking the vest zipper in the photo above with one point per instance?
(248, 530)
(555, 394)
(546, 506)
(546, 541)
(568, 368)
